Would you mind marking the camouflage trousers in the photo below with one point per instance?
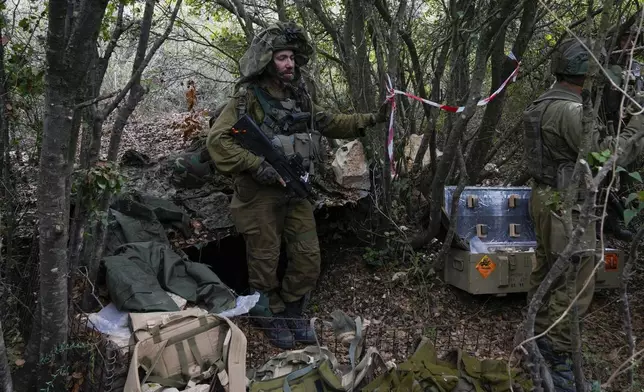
(552, 237)
(265, 217)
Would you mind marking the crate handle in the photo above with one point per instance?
(513, 200)
(457, 263)
(481, 230)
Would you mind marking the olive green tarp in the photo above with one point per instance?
(135, 217)
(140, 266)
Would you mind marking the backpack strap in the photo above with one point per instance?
(266, 107)
(155, 361)
(235, 359)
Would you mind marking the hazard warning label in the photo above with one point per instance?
(612, 262)
(485, 266)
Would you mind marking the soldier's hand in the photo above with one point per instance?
(266, 174)
(381, 114)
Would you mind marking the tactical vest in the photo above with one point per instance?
(290, 129)
(541, 165)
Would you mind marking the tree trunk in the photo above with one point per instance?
(434, 193)
(7, 190)
(6, 385)
(137, 91)
(66, 67)
(91, 141)
(502, 67)
(93, 250)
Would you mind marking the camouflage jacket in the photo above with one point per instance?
(563, 133)
(231, 158)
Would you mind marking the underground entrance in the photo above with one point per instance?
(227, 256)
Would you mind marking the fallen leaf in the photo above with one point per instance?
(20, 362)
(77, 375)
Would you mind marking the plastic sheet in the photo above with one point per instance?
(491, 207)
(111, 321)
(243, 305)
(115, 324)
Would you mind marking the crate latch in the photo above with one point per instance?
(513, 201)
(481, 230)
(472, 201)
(504, 271)
(514, 230)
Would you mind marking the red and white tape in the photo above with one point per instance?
(391, 94)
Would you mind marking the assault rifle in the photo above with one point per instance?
(252, 138)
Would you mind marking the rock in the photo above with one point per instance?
(411, 150)
(398, 276)
(350, 166)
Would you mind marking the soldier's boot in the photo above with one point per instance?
(301, 327)
(272, 325)
(560, 367)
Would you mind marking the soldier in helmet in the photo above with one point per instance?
(272, 91)
(611, 115)
(553, 135)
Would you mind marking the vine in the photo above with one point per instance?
(94, 183)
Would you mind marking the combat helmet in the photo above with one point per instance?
(572, 59)
(277, 36)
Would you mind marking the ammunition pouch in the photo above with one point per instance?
(306, 145)
(290, 129)
(292, 123)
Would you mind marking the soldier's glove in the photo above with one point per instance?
(265, 174)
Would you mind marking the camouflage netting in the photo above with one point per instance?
(278, 36)
(207, 198)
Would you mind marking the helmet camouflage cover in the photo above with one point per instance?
(277, 36)
(572, 59)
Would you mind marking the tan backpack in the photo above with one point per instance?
(182, 349)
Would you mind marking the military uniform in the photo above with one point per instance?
(266, 214)
(553, 136)
(610, 116)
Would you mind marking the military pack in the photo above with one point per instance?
(541, 166)
(457, 372)
(315, 368)
(193, 168)
(181, 349)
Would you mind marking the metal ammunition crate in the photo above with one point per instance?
(495, 223)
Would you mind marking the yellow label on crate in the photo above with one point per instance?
(485, 266)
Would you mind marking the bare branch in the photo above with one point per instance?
(137, 75)
(96, 100)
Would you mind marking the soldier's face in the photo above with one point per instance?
(285, 64)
